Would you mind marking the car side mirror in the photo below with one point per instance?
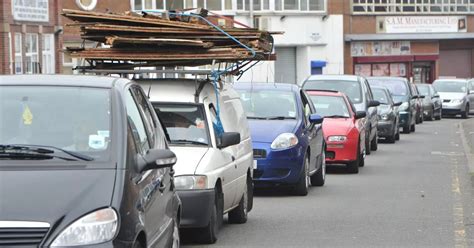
(435, 96)
(397, 104)
(157, 159)
(360, 114)
(228, 139)
(414, 97)
(421, 96)
(315, 119)
(373, 103)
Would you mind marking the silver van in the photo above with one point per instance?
(213, 175)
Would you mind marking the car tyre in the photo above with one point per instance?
(319, 178)
(397, 136)
(374, 143)
(250, 188)
(238, 215)
(302, 187)
(208, 234)
(431, 116)
(367, 145)
(465, 114)
(438, 117)
(353, 167)
(412, 128)
(406, 130)
(137, 244)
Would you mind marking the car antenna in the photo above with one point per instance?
(149, 90)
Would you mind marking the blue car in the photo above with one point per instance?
(287, 136)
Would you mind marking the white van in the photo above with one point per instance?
(213, 175)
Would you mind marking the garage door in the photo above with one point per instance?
(455, 63)
(285, 65)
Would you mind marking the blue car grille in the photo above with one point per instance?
(23, 237)
(259, 153)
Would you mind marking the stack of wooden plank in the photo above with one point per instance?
(151, 39)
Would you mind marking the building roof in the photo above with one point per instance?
(60, 80)
(415, 36)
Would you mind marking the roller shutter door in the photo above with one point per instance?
(285, 65)
(455, 63)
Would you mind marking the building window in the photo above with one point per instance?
(18, 54)
(48, 55)
(31, 53)
(412, 6)
(86, 4)
(181, 4)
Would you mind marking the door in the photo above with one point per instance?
(312, 131)
(285, 65)
(455, 63)
(151, 184)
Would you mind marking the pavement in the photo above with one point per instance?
(415, 193)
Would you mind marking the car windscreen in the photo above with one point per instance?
(398, 88)
(450, 86)
(381, 96)
(352, 89)
(185, 123)
(424, 90)
(76, 119)
(328, 106)
(268, 104)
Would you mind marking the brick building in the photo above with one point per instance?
(30, 37)
(420, 40)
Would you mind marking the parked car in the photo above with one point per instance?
(419, 104)
(287, 136)
(84, 161)
(344, 132)
(401, 92)
(455, 95)
(389, 118)
(432, 105)
(358, 90)
(214, 170)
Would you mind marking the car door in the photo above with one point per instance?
(150, 183)
(372, 111)
(413, 102)
(470, 89)
(311, 131)
(435, 98)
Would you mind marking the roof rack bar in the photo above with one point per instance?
(118, 71)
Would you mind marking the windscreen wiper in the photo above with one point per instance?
(256, 118)
(45, 150)
(280, 118)
(182, 141)
(336, 116)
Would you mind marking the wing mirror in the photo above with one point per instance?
(421, 96)
(373, 103)
(228, 139)
(316, 119)
(397, 104)
(360, 114)
(414, 97)
(435, 96)
(157, 159)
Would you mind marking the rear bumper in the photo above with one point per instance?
(196, 207)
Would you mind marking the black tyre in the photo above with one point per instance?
(438, 117)
(397, 136)
(374, 143)
(250, 193)
(367, 145)
(208, 234)
(353, 167)
(302, 187)
(406, 129)
(238, 215)
(319, 178)
(412, 128)
(465, 114)
(137, 245)
(431, 116)
(421, 117)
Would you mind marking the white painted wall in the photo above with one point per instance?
(314, 38)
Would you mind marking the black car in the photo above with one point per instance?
(389, 118)
(84, 161)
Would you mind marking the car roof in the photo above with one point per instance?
(451, 79)
(334, 77)
(61, 80)
(379, 87)
(264, 86)
(387, 78)
(324, 93)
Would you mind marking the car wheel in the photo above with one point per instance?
(249, 193)
(438, 117)
(412, 128)
(431, 116)
(406, 129)
(391, 139)
(208, 234)
(302, 187)
(465, 114)
(176, 242)
(137, 245)
(367, 145)
(421, 117)
(397, 136)
(374, 144)
(319, 178)
(238, 215)
(353, 167)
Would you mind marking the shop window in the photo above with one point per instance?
(31, 53)
(363, 70)
(18, 66)
(48, 55)
(380, 70)
(398, 70)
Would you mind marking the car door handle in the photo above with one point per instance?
(233, 158)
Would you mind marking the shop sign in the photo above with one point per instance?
(31, 10)
(421, 24)
(380, 48)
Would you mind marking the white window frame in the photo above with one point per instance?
(10, 47)
(18, 36)
(31, 54)
(48, 54)
(423, 8)
(272, 7)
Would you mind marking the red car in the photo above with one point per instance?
(343, 128)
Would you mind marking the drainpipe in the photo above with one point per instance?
(251, 14)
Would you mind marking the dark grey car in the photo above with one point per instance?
(432, 104)
(84, 162)
(388, 114)
(358, 90)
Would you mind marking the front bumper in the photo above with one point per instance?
(386, 128)
(278, 166)
(196, 207)
(453, 108)
(341, 152)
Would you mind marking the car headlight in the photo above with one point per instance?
(384, 117)
(190, 182)
(458, 101)
(337, 138)
(404, 106)
(95, 228)
(284, 141)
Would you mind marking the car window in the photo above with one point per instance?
(352, 89)
(146, 112)
(269, 103)
(136, 124)
(381, 96)
(328, 106)
(450, 86)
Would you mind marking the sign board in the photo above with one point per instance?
(30, 10)
(380, 48)
(421, 24)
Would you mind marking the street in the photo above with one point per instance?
(415, 193)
